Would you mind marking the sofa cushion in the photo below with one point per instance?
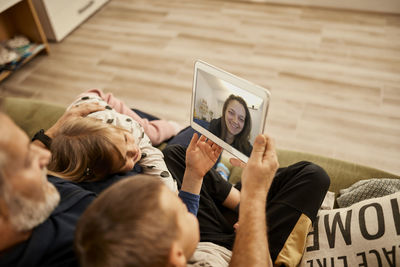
(366, 189)
(342, 173)
(32, 115)
(364, 234)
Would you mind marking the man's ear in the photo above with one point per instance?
(176, 256)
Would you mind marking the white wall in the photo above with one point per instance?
(205, 92)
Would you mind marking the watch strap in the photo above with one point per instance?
(42, 137)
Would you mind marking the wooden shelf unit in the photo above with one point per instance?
(21, 19)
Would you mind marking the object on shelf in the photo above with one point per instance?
(17, 42)
(20, 30)
(7, 55)
(15, 51)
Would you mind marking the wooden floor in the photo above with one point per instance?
(334, 75)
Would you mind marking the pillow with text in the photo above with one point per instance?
(364, 234)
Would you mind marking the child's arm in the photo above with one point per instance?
(152, 160)
(201, 155)
(192, 201)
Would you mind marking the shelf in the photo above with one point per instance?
(5, 73)
(20, 18)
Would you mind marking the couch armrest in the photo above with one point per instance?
(30, 114)
(342, 173)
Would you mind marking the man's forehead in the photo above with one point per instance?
(5, 122)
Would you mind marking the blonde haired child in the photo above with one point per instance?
(106, 142)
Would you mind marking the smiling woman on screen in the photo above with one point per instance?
(234, 126)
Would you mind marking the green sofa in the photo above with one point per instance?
(32, 115)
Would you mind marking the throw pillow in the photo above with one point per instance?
(366, 189)
(364, 234)
(329, 201)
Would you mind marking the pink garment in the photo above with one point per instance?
(157, 130)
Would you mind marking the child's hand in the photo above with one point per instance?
(76, 111)
(201, 155)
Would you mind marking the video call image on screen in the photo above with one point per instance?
(233, 114)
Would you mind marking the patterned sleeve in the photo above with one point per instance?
(109, 115)
(152, 161)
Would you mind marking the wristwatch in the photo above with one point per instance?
(42, 137)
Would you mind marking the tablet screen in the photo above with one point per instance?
(227, 109)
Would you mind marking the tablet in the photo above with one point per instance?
(227, 109)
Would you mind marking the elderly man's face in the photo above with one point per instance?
(29, 198)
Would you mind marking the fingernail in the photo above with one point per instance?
(260, 140)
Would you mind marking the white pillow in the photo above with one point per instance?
(364, 234)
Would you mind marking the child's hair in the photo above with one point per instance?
(83, 151)
(127, 225)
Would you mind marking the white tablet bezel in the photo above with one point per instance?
(238, 82)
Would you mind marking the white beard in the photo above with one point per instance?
(25, 213)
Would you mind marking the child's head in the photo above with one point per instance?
(87, 149)
(136, 222)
